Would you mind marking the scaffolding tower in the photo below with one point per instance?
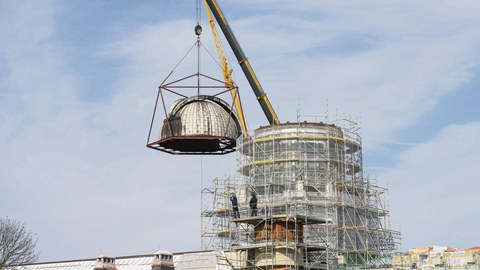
(316, 210)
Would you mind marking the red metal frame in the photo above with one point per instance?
(223, 145)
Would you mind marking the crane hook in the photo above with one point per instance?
(198, 30)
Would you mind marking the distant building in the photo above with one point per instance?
(438, 258)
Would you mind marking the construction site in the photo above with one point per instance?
(299, 198)
(316, 210)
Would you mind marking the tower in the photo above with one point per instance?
(316, 210)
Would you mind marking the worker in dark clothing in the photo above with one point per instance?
(233, 199)
(253, 205)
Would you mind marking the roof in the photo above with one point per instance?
(205, 260)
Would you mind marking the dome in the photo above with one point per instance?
(200, 124)
(199, 116)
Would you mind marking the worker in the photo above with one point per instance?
(233, 199)
(253, 205)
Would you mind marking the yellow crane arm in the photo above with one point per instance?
(227, 72)
(244, 63)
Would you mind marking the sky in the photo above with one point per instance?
(78, 81)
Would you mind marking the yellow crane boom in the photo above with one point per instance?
(227, 72)
(243, 61)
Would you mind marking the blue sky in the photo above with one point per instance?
(77, 87)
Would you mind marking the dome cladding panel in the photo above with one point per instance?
(201, 118)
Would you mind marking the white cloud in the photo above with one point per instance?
(391, 63)
(438, 183)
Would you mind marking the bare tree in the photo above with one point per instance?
(17, 245)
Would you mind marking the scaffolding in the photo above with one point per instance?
(316, 210)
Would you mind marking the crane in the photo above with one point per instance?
(212, 5)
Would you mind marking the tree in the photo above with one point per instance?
(17, 245)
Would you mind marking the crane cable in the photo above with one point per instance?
(198, 12)
(198, 32)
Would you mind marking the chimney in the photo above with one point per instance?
(162, 260)
(105, 262)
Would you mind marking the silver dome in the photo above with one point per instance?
(200, 124)
(201, 116)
